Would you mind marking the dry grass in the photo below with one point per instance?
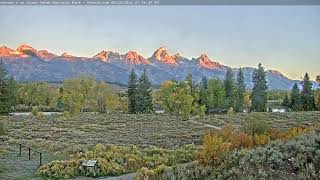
(59, 135)
(276, 120)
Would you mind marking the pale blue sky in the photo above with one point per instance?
(286, 38)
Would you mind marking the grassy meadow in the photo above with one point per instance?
(59, 137)
(274, 120)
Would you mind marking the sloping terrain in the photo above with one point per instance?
(28, 64)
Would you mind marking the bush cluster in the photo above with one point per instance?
(227, 153)
(219, 143)
(116, 160)
(37, 113)
(298, 158)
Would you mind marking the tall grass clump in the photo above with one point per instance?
(2, 128)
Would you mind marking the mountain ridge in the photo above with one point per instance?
(26, 63)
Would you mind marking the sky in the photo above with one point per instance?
(285, 38)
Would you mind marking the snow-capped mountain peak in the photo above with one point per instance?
(161, 66)
(134, 58)
(24, 48)
(164, 56)
(205, 62)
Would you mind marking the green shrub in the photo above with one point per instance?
(40, 115)
(66, 114)
(35, 110)
(2, 128)
(255, 125)
(229, 115)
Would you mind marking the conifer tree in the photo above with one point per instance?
(295, 100)
(193, 88)
(189, 80)
(240, 91)
(7, 90)
(204, 82)
(317, 94)
(307, 94)
(132, 92)
(259, 91)
(286, 101)
(203, 100)
(144, 103)
(229, 88)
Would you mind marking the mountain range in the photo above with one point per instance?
(26, 63)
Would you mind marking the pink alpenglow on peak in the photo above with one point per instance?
(205, 62)
(163, 55)
(24, 48)
(44, 54)
(177, 57)
(10, 53)
(67, 56)
(134, 58)
(106, 55)
(25, 51)
(5, 51)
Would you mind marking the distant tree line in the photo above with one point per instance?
(190, 98)
(183, 98)
(187, 97)
(307, 99)
(74, 96)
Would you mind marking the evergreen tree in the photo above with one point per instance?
(204, 82)
(259, 91)
(295, 100)
(203, 100)
(132, 92)
(317, 94)
(7, 90)
(317, 98)
(194, 90)
(307, 97)
(229, 88)
(286, 101)
(189, 81)
(60, 103)
(144, 103)
(240, 91)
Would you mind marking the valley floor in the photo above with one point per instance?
(58, 137)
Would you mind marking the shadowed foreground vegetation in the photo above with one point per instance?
(225, 153)
(161, 145)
